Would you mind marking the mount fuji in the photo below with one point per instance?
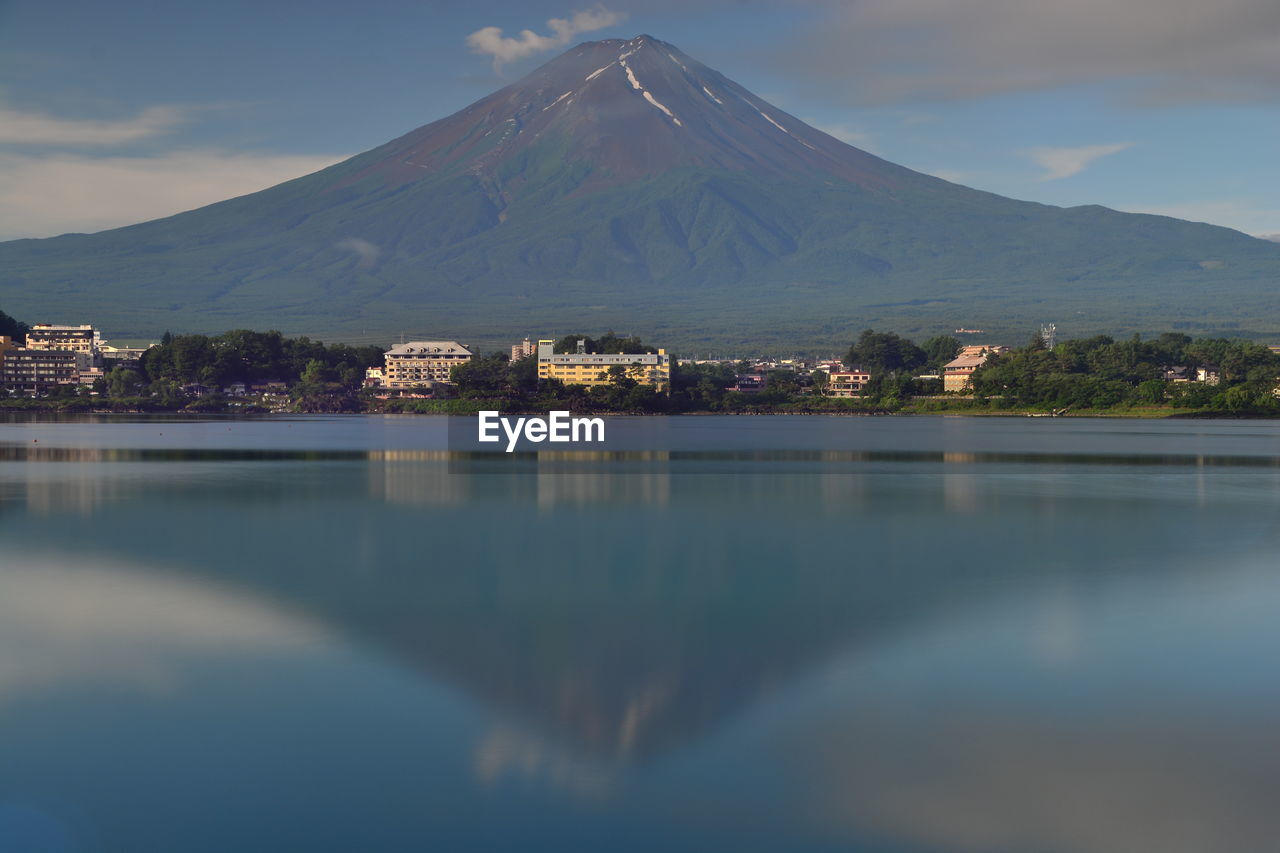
(625, 185)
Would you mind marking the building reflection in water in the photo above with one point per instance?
(416, 477)
(549, 480)
(505, 752)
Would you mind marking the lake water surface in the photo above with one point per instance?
(735, 634)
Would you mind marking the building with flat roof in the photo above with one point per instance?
(35, 371)
(127, 357)
(48, 336)
(591, 369)
(847, 383)
(423, 363)
(524, 349)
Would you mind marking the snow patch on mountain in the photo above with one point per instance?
(651, 99)
(556, 101)
(769, 119)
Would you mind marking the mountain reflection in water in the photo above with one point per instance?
(888, 649)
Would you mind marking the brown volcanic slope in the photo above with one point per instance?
(625, 185)
(632, 110)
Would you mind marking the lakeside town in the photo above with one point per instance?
(72, 367)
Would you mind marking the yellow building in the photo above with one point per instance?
(419, 363)
(590, 369)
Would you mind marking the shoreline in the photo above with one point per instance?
(58, 408)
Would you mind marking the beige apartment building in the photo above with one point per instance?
(590, 369)
(35, 371)
(420, 363)
(6, 346)
(53, 355)
(47, 336)
(957, 374)
(524, 349)
(847, 383)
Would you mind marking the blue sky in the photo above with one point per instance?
(112, 113)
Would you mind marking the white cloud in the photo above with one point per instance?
(41, 196)
(1061, 163)
(490, 41)
(1241, 214)
(63, 624)
(30, 128)
(927, 50)
(367, 252)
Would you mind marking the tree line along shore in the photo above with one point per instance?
(1093, 376)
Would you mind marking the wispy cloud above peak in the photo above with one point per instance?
(32, 128)
(1060, 163)
(490, 41)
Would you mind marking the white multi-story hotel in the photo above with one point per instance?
(422, 363)
(47, 336)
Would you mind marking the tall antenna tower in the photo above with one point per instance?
(1049, 334)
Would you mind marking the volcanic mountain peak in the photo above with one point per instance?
(626, 110)
(625, 185)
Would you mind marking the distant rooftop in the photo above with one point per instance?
(966, 361)
(429, 348)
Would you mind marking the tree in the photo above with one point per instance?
(522, 374)
(1151, 392)
(939, 350)
(482, 375)
(13, 328)
(885, 352)
(609, 343)
(122, 382)
(623, 376)
(781, 383)
(315, 373)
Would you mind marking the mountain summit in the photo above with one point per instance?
(624, 184)
(624, 110)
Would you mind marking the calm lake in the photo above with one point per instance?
(734, 634)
